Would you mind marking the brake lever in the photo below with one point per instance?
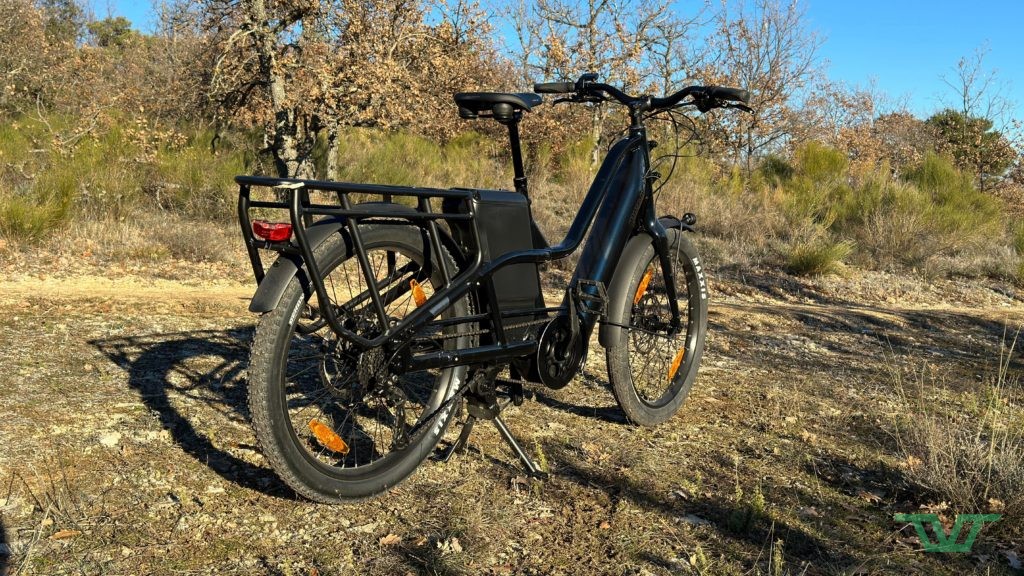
(578, 99)
(740, 106)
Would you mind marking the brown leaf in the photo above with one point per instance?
(390, 540)
(869, 496)
(64, 534)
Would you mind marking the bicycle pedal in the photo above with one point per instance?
(593, 295)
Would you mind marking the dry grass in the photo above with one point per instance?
(817, 257)
(966, 448)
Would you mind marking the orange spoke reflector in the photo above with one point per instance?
(675, 364)
(327, 438)
(642, 288)
(417, 292)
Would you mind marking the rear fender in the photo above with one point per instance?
(287, 266)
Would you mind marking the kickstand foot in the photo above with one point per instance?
(460, 443)
(531, 468)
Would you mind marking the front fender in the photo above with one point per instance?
(288, 266)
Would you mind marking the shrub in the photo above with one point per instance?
(406, 160)
(957, 209)
(25, 220)
(819, 163)
(776, 170)
(818, 185)
(1018, 237)
(817, 257)
(188, 179)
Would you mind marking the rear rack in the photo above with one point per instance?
(477, 274)
(302, 212)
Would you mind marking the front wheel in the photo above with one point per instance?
(651, 364)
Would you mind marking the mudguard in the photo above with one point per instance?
(287, 266)
(610, 334)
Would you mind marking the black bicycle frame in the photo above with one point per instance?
(619, 204)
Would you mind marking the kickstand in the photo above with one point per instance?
(531, 468)
(460, 446)
(460, 443)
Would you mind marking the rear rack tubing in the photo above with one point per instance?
(453, 290)
(250, 240)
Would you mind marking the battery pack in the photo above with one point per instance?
(505, 226)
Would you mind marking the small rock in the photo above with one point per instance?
(365, 528)
(694, 520)
(110, 439)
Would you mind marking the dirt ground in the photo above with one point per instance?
(125, 446)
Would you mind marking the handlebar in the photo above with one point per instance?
(586, 89)
(554, 87)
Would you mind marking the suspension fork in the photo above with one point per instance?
(662, 247)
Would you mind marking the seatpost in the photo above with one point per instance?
(519, 179)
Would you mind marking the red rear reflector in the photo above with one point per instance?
(272, 231)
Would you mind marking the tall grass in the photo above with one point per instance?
(813, 212)
(111, 176)
(407, 160)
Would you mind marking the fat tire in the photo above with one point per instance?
(269, 416)
(638, 410)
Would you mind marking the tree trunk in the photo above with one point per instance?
(333, 145)
(285, 145)
(596, 122)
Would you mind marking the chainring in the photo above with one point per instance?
(560, 353)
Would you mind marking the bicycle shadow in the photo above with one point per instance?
(612, 414)
(731, 520)
(203, 369)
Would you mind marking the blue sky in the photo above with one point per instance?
(907, 45)
(904, 45)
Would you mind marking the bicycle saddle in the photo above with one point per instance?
(501, 105)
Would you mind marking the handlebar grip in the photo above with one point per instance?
(554, 87)
(731, 94)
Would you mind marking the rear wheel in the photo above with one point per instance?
(652, 366)
(332, 420)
